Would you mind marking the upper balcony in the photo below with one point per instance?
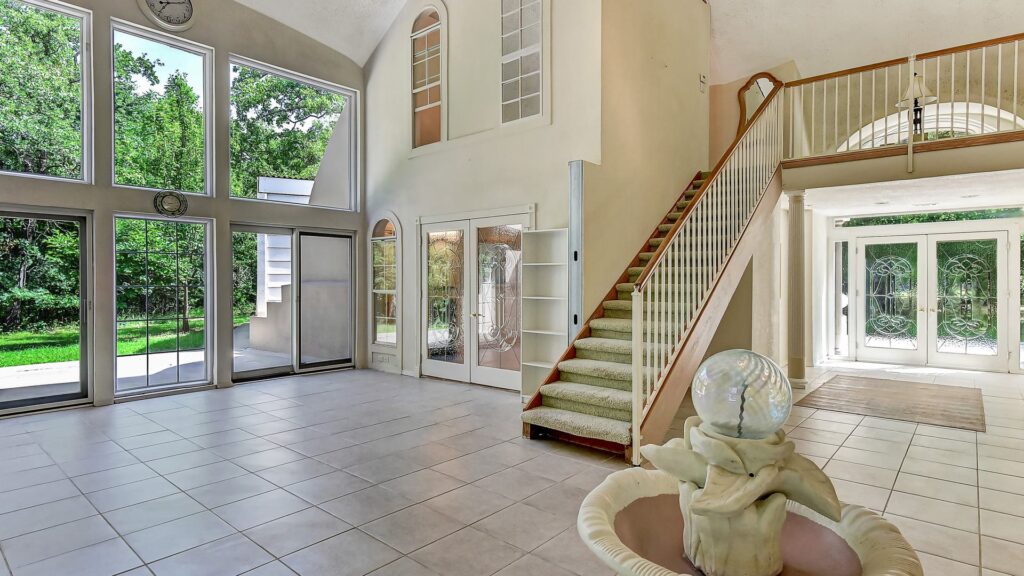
(957, 110)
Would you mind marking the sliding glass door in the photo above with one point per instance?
(162, 316)
(261, 301)
(43, 310)
(325, 300)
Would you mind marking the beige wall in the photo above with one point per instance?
(725, 109)
(482, 165)
(654, 136)
(231, 29)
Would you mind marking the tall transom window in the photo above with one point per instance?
(426, 79)
(521, 39)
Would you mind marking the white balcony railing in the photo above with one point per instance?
(961, 92)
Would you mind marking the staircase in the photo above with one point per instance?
(621, 381)
(593, 396)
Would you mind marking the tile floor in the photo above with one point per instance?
(957, 495)
(345, 473)
(355, 473)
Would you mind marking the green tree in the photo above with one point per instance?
(40, 91)
(159, 134)
(279, 128)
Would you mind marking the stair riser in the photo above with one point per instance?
(595, 380)
(620, 415)
(596, 333)
(605, 356)
(627, 314)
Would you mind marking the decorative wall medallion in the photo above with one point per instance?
(170, 203)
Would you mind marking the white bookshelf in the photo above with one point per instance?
(545, 304)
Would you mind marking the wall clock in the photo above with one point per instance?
(173, 15)
(170, 203)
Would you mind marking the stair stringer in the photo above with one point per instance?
(670, 395)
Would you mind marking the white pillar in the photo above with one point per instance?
(797, 296)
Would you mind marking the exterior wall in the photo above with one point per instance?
(231, 29)
(654, 136)
(479, 164)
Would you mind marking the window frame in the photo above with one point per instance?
(374, 241)
(355, 151)
(209, 105)
(85, 15)
(440, 84)
(542, 55)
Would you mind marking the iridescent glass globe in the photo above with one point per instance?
(742, 394)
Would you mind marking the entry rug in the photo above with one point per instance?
(935, 404)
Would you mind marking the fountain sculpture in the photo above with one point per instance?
(744, 503)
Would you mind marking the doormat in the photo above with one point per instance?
(935, 404)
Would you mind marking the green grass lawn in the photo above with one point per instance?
(23, 348)
(61, 344)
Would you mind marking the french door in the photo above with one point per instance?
(471, 309)
(937, 299)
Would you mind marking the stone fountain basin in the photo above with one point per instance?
(633, 523)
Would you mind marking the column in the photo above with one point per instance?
(797, 296)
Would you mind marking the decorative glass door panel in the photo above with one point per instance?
(497, 294)
(445, 305)
(967, 311)
(471, 313)
(891, 292)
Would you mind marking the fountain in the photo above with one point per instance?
(732, 498)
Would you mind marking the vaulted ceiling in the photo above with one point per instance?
(352, 27)
(750, 36)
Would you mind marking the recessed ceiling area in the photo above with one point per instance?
(821, 36)
(352, 27)
(945, 193)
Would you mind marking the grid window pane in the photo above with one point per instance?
(426, 79)
(521, 40)
(161, 303)
(510, 91)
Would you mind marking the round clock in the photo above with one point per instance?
(170, 203)
(173, 15)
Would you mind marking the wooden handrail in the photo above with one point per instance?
(642, 279)
(971, 46)
(847, 72)
(741, 96)
(895, 61)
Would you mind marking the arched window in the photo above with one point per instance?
(939, 121)
(383, 248)
(426, 79)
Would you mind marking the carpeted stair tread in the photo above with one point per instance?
(605, 345)
(598, 369)
(609, 398)
(628, 287)
(610, 345)
(612, 324)
(578, 424)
